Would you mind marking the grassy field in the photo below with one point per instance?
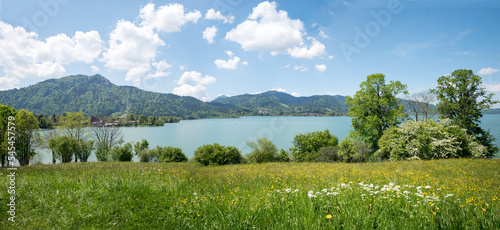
(449, 194)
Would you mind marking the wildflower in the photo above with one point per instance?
(427, 187)
(195, 194)
(329, 216)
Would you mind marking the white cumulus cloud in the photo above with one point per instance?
(267, 29)
(209, 34)
(193, 84)
(193, 77)
(161, 68)
(316, 49)
(8, 82)
(132, 49)
(232, 63)
(486, 71)
(23, 55)
(302, 68)
(493, 88)
(168, 18)
(321, 67)
(95, 69)
(216, 15)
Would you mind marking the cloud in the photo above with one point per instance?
(193, 77)
(95, 69)
(316, 49)
(232, 63)
(279, 89)
(197, 91)
(301, 68)
(209, 34)
(493, 88)
(322, 34)
(132, 49)
(216, 15)
(267, 29)
(168, 18)
(23, 55)
(285, 67)
(8, 82)
(486, 71)
(193, 84)
(320, 68)
(161, 68)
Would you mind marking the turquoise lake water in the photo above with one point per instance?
(191, 134)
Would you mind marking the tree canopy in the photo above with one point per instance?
(462, 100)
(375, 108)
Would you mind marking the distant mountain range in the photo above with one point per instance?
(279, 101)
(97, 96)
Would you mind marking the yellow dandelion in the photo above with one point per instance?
(329, 216)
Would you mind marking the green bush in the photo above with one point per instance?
(102, 152)
(428, 140)
(263, 150)
(123, 153)
(64, 147)
(216, 154)
(329, 154)
(307, 146)
(167, 154)
(140, 146)
(86, 148)
(353, 150)
(146, 156)
(283, 156)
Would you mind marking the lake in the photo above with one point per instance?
(191, 134)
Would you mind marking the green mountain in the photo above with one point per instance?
(96, 95)
(279, 101)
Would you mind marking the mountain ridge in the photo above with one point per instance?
(95, 95)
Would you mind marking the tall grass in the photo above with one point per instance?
(450, 194)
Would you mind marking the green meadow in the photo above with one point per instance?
(441, 194)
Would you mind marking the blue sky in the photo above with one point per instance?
(229, 47)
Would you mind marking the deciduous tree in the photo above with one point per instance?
(462, 100)
(28, 139)
(5, 112)
(375, 108)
